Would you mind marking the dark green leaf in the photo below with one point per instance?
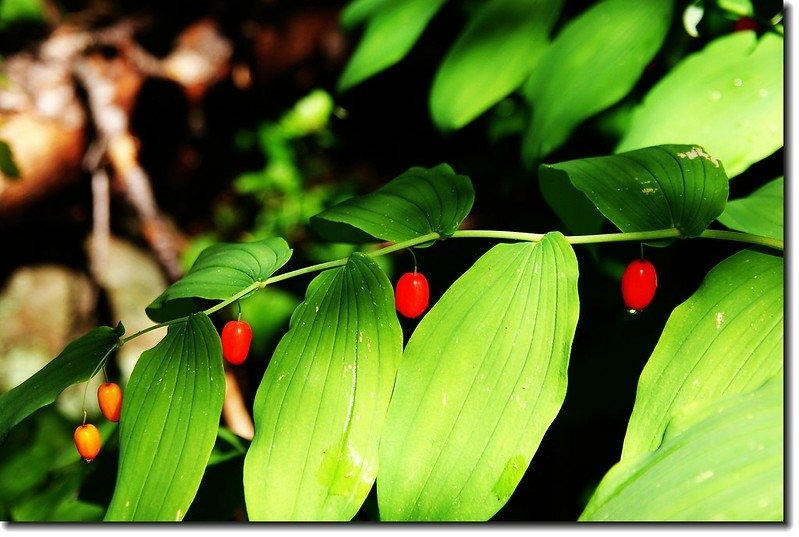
(392, 30)
(760, 213)
(667, 186)
(76, 363)
(320, 408)
(8, 166)
(418, 202)
(480, 381)
(509, 36)
(593, 62)
(220, 271)
(724, 340)
(169, 423)
(728, 98)
(721, 461)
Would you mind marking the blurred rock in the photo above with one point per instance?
(131, 279)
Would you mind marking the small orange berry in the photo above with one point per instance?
(109, 396)
(87, 440)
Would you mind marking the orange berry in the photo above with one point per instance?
(109, 396)
(87, 440)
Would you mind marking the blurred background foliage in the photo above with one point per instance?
(324, 100)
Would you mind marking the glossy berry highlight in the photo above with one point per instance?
(412, 294)
(87, 440)
(638, 284)
(109, 397)
(236, 338)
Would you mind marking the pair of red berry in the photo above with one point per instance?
(86, 436)
(638, 285)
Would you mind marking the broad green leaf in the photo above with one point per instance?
(726, 339)
(593, 62)
(728, 98)
(720, 462)
(169, 423)
(742, 8)
(358, 11)
(760, 213)
(220, 271)
(668, 186)
(8, 165)
(509, 36)
(391, 31)
(480, 381)
(76, 363)
(321, 405)
(12, 11)
(576, 211)
(418, 202)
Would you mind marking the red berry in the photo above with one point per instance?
(87, 440)
(638, 284)
(412, 294)
(236, 338)
(109, 397)
(745, 23)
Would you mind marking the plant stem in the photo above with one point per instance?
(743, 237)
(670, 233)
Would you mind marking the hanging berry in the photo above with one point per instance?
(236, 338)
(638, 284)
(87, 440)
(412, 294)
(109, 397)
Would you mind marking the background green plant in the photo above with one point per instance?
(621, 123)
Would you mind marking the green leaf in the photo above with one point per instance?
(220, 271)
(418, 202)
(392, 30)
(724, 340)
(760, 213)
(660, 187)
(321, 405)
(593, 62)
(358, 11)
(76, 363)
(508, 35)
(169, 423)
(8, 165)
(720, 462)
(12, 11)
(728, 98)
(480, 381)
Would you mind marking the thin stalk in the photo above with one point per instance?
(659, 234)
(743, 237)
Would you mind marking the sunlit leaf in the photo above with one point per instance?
(722, 461)
(220, 271)
(509, 36)
(480, 381)
(728, 98)
(169, 423)
(76, 363)
(418, 202)
(760, 213)
(321, 405)
(391, 31)
(726, 339)
(679, 186)
(594, 61)
(358, 11)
